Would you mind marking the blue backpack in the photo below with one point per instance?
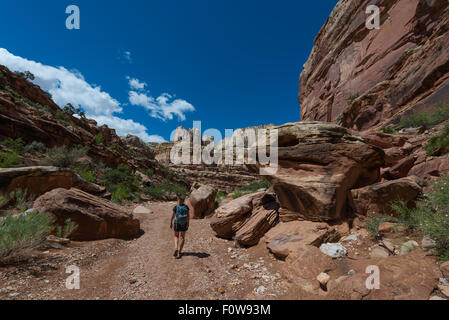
(182, 215)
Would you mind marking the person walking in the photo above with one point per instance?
(179, 222)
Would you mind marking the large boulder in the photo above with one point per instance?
(377, 199)
(247, 218)
(201, 201)
(95, 218)
(318, 164)
(39, 180)
(295, 236)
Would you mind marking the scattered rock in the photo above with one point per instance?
(260, 290)
(333, 250)
(323, 278)
(408, 247)
(444, 267)
(427, 244)
(379, 252)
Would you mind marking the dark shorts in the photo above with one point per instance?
(180, 227)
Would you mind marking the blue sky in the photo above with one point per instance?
(146, 67)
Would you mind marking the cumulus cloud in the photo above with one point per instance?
(136, 84)
(70, 87)
(161, 107)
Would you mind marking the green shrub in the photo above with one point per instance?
(9, 159)
(353, 97)
(35, 147)
(19, 197)
(155, 192)
(439, 145)
(251, 188)
(15, 145)
(389, 130)
(120, 193)
(22, 232)
(426, 119)
(86, 174)
(98, 139)
(373, 223)
(60, 118)
(64, 232)
(220, 196)
(431, 216)
(64, 157)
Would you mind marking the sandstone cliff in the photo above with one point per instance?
(364, 78)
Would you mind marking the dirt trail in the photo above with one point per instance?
(144, 268)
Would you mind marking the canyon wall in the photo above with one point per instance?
(362, 78)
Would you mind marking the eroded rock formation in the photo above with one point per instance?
(364, 78)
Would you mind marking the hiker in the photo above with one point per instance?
(180, 224)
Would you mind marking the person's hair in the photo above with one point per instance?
(181, 199)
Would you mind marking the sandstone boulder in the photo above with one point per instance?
(318, 164)
(376, 199)
(95, 218)
(39, 180)
(201, 201)
(247, 218)
(291, 237)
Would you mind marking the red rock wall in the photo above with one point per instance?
(401, 68)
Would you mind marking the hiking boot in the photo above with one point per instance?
(176, 254)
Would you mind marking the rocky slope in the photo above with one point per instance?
(29, 113)
(364, 78)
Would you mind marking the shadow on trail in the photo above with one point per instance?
(201, 255)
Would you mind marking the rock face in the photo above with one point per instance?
(318, 164)
(364, 78)
(247, 218)
(39, 180)
(201, 201)
(376, 199)
(96, 218)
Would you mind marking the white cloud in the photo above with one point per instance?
(161, 107)
(127, 56)
(136, 84)
(124, 127)
(70, 87)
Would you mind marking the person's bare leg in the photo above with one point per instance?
(182, 238)
(176, 242)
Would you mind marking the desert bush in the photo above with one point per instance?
(426, 119)
(9, 159)
(431, 216)
(251, 188)
(23, 232)
(66, 230)
(220, 196)
(98, 139)
(64, 157)
(35, 146)
(122, 183)
(353, 97)
(120, 193)
(372, 224)
(439, 145)
(86, 174)
(15, 145)
(166, 188)
(19, 197)
(389, 130)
